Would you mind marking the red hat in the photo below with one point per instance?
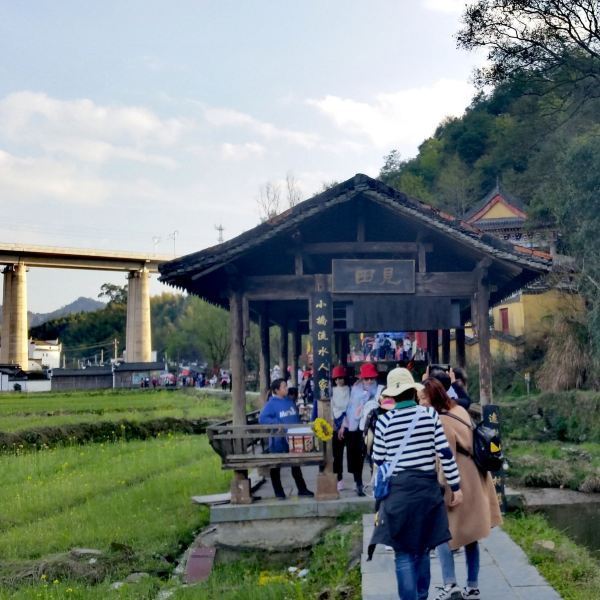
(368, 370)
(338, 371)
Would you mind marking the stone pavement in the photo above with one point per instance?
(505, 573)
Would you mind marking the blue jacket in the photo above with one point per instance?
(279, 410)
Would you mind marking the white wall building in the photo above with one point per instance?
(45, 353)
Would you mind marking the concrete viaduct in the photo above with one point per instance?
(18, 258)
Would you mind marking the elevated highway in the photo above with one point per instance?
(17, 258)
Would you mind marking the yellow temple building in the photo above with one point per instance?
(525, 316)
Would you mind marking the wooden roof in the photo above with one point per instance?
(392, 218)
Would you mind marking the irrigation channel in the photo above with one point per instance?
(581, 522)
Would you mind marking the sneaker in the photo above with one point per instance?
(281, 496)
(360, 491)
(449, 592)
(470, 593)
(340, 485)
(306, 493)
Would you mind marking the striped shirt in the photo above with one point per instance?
(426, 440)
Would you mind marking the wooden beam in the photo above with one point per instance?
(264, 356)
(459, 335)
(298, 263)
(236, 357)
(366, 248)
(482, 303)
(446, 346)
(458, 284)
(422, 258)
(284, 347)
(295, 354)
(432, 346)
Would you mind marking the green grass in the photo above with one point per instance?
(555, 464)
(137, 494)
(570, 569)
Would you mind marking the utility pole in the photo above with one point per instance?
(173, 236)
(220, 229)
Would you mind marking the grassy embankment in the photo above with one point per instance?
(553, 440)
(569, 568)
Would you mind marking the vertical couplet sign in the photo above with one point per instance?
(491, 419)
(321, 328)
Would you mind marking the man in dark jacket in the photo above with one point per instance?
(280, 408)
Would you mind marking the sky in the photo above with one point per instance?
(142, 125)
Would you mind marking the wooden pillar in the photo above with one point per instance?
(283, 357)
(296, 341)
(460, 347)
(345, 347)
(240, 484)
(432, 346)
(482, 307)
(264, 356)
(446, 346)
(236, 358)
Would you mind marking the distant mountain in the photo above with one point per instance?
(80, 305)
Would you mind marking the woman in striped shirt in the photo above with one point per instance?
(412, 519)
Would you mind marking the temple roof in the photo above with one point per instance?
(481, 210)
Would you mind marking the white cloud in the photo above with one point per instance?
(87, 131)
(32, 178)
(446, 6)
(227, 117)
(242, 151)
(402, 118)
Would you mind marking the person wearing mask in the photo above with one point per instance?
(473, 519)
(364, 390)
(412, 519)
(280, 408)
(340, 397)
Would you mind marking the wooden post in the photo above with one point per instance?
(432, 346)
(264, 357)
(460, 347)
(446, 346)
(345, 347)
(283, 357)
(482, 304)
(240, 484)
(295, 354)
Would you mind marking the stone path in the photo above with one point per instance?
(505, 573)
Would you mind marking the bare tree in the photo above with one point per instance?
(294, 195)
(268, 200)
(557, 42)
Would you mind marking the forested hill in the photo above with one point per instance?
(511, 135)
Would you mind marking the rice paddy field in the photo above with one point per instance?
(131, 500)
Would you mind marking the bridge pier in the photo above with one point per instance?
(138, 337)
(14, 348)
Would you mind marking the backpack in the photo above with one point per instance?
(487, 447)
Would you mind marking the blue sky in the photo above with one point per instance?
(121, 122)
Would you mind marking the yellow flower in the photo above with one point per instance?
(323, 430)
(44, 576)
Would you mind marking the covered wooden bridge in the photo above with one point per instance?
(360, 257)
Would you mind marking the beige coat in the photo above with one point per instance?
(479, 511)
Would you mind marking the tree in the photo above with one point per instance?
(555, 41)
(294, 195)
(268, 200)
(114, 294)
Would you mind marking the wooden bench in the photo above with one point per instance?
(245, 447)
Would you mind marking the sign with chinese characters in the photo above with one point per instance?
(373, 276)
(321, 328)
(491, 418)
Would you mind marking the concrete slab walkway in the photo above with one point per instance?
(505, 574)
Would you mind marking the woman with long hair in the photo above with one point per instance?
(473, 519)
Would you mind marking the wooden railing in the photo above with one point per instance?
(246, 447)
